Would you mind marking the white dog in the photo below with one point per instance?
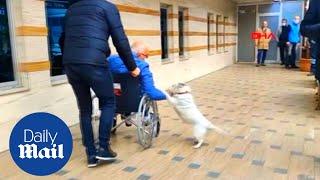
(179, 96)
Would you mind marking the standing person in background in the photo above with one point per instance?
(283, 41)
(294, 39)
(262, 43)
(88, 27)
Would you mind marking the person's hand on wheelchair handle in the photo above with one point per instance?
(135, 72)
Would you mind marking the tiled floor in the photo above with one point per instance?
(269, 111)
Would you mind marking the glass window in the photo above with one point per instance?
(164, 33)
(225, 20)
(181, 32)
(6, 62)
(210, 31)
(219, 33)
(55, 12)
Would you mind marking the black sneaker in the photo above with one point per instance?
(106, 154)
(263, 64)
(92, 162)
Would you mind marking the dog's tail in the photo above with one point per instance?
(217, 129)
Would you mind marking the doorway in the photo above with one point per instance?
(247, 25)
(250, 18)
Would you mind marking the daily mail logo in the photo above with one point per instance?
(40, 144)
(32, 151)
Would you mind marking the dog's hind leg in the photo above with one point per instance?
(199, 143)
(199, 133)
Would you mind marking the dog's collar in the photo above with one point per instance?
(183, 93)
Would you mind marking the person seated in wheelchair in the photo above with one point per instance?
(140, 53)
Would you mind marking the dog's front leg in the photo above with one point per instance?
(170, 98)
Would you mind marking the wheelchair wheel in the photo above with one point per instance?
(147, 121)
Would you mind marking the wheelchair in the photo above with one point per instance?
(135, 108)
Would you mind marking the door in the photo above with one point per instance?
(273, 21)
(246, 25)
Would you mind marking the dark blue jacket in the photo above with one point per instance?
(88, 26)
(310, 26)
(146, 80)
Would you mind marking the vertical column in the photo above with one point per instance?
(32, 35)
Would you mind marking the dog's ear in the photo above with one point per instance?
(171, 90)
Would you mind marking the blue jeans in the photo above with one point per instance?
(317, 65)
(82, 77)
(317, 74)
(262, 55)
(314, 56)
(293, 54)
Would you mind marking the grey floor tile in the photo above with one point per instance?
(316, 159)
(194, 165)
(258, 162)
(163, 152)
(280, 170)
(127, 137)
(296, 153)
(289, 134)
(305, 177)
(256, 142)
(176, 135)
(178, 158)
(220, 149)
(118, 161)
(62, 172)
(272, 130)
(144, 177)
(308, 139)
(129, 169)
(213, 174)
(238, 155)
(239, 137)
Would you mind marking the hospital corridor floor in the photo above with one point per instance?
(269, 112)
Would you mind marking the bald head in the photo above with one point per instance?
(141, 49)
